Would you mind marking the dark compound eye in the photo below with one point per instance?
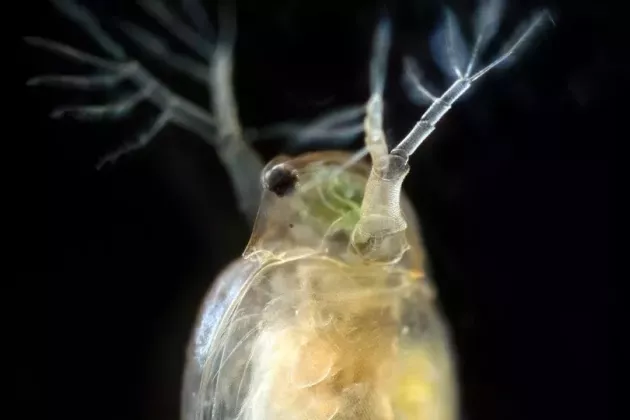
(281, 179)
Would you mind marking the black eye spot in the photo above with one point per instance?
(281, 179)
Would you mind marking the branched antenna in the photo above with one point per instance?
(486, 26)
(121, 67)
(379, 234)
(149, 88)
(219, 129)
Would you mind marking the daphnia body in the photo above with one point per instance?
(329, 313)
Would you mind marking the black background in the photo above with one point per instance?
(514, 190)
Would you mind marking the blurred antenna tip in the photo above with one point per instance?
(545, 14)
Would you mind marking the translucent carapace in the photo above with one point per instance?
(321, 327)
(329, 313)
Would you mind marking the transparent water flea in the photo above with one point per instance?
(328, 314)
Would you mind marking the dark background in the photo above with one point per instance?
(514, 190)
